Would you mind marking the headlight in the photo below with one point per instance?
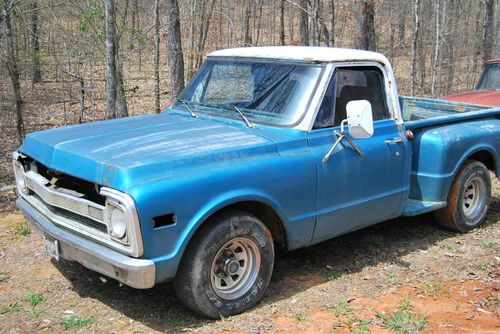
(122, 221)
(118, 223)
(20, 180)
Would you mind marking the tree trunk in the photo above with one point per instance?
(247, 34)
(12, 69)
(364, 25)
(332, 23)
(304, 23)
(358, 40)
(488, 29)
(369, 26)
(121, 108)
(36, 74)
(282, 22)
(416, 30)
(157, 56)
(174, 48)
(111, 76)
(437, 42)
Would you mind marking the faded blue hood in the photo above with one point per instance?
(123, 152)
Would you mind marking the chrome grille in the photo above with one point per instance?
(74, 216)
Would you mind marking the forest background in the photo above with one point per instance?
(65, 62)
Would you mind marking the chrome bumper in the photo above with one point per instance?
(137, 273)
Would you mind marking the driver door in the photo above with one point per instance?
(355, 191)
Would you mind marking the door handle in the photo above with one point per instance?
(394, 140)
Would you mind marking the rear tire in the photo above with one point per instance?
(468, 200)
(227, 266)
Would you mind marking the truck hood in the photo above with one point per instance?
(484, 97)
(123, 152)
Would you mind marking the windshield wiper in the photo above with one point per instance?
(185, 103)
(235, 108)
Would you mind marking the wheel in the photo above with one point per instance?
(468, 200)
(227, 266)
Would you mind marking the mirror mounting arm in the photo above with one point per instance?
(341, 136)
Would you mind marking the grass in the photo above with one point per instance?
(3, 276)
(433, 289)
(392, 276)
(342, 308)
(488, 244)
(35, 299)
(346, 319)
(332, 276)
(22, 228)
(301, 317)
(16, 307)
(182, 320)
(35, 312)
(75, 321)
(404, 319)
(483, 265)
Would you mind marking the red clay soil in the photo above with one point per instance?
(448, 307)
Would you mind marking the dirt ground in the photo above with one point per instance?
(402, 276)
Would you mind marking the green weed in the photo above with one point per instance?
(342, 308)
(75, 321)
(35, 299)
(488, 244)
(16, 307)
(403, 320)
(392, 276)
(332, 276)
(483, 265)
(22, 228)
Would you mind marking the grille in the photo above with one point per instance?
(73, 216)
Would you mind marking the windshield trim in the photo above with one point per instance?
(320, 65)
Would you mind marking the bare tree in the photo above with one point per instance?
(416, 31)
(12, 68)
(488, 29)
(437, 43)
(304, 23)
(282, 22)
(364, 26)
(115, 101)
(247, 39)
(174, 48)
(36, 74)
(332, 23)
(157, 56)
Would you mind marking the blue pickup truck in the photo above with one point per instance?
(266, 148)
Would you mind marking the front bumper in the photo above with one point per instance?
(137, 273)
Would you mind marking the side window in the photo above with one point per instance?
(353, 83)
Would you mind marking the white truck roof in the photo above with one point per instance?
(304, 53)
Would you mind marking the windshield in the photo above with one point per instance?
(490, 78)
(271, 93)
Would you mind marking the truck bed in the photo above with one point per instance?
(421, 112)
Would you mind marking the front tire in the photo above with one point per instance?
(227, 266)
(468, 200)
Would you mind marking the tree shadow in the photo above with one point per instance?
(387, 243)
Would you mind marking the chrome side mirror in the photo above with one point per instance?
(359, 119)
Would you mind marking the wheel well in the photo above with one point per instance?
(264, 213)
(486, 158)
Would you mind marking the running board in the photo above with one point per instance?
(415, 207)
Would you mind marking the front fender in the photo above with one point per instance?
(289, 189)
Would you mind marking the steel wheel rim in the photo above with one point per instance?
(473, 197)
(235, 268)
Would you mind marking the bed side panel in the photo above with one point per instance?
(438, 153)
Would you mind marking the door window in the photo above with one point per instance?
(348, 84)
